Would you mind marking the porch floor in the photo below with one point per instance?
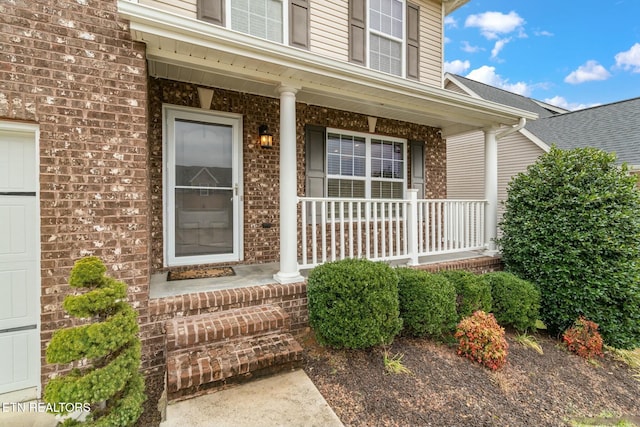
(259, 274)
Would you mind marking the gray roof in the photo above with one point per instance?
(611, 127)
(501, 96)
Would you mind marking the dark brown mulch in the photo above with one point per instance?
(154, 385)
(200, 273)
(445, 389)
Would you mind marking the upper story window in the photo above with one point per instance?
(260, 18)
(384, 35)
(280, 21)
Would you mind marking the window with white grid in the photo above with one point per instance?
(386, 35)
(260, 18)
(365, 166)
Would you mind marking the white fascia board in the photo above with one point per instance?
(540, 143)
(151, 20)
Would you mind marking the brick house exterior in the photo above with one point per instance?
(75, 78)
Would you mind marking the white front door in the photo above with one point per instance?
(19, 258)
(202, 186)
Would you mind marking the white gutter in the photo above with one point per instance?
(512, 129)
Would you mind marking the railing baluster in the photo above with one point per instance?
(303, 215)
(359, 228)
(323, 222)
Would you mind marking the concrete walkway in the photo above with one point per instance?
(284, 400)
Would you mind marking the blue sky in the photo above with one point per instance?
(573, 54)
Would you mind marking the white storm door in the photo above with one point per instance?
(203, 185)
(19, 259)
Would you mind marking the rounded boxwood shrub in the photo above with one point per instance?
(572, 226)
(111, 381)
(472, 292)
(427, 303)
(516, 302)
(353, 303)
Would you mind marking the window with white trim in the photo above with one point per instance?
(259, 18)
(386, 36)
(365, 166)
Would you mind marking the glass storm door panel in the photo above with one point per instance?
(203, 205)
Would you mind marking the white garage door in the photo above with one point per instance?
(19, 259)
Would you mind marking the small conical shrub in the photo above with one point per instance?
(111, 382)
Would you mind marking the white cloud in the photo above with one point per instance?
(456, 66)
(450, 22)
(543, 33)
(500, 44)
(561, 102)
(590, 71)
(630, 59)
(487, 75)
(492, 24)
(466, 47)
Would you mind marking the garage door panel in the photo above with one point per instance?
(17, 228)
(19, 258)
(17, 162)
(18, 359)
(18, 294)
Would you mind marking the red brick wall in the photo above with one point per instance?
(261, 166)
(71, 68)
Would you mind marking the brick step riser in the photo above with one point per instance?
(217, 365)
(194, 331)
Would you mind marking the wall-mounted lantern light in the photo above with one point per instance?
(266, 138)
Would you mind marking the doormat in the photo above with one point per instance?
(200, 273)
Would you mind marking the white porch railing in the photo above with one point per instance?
(388, 229)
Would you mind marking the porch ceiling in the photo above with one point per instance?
(185, 49)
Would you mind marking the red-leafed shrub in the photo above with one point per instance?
(482, 340)
(583, 338)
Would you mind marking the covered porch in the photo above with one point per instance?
(310, 229)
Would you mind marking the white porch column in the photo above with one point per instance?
(491, 189)
(289, 272)
(412, 226)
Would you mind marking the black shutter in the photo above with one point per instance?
(211, 11)
(315, 155)
(417, 167)
(357, 31)
(299, 23)
(413, 41)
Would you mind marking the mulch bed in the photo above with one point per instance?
(445, 389)
(200, 273)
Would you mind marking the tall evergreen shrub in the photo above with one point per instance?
(572, 226)
(110, 381)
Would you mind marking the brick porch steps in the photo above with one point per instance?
(212, 350)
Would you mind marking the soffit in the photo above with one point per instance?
(184, 49)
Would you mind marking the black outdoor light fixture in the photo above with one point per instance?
(266, 138)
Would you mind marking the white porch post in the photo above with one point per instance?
(412, 226)
(491, 189)
(289, 272)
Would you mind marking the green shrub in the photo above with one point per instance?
(572, 227)
(473, 292)
(353, 303)
(427, 303)
(516, 302)
(482, 340)
(111, 382)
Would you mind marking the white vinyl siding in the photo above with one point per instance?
(186, 8)
(515, 153)
(329, 29)
(455, 88)
(465, 164)
(431, 50)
